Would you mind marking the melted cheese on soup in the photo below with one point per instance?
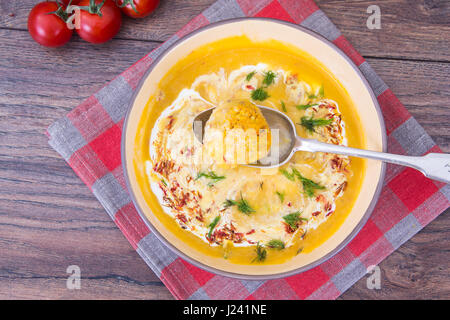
(225, 204)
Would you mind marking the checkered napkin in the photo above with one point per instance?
(88, 138)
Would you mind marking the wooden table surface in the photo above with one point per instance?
(49, 219)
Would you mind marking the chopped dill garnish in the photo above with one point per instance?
(283, 106)
(292, 219)
(309, 186)
(229, 203)
(269, 78)
(261, 253)
(290, 176)
(280, 195)
(259, 94)
(212, 225)
(311, 123)
(164, 182)
(276, 244)
(210, 175)
(306, 106)
(242, 205)
(250, 76)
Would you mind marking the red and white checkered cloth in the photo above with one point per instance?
(88, 138)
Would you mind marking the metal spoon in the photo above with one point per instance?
(434, 165)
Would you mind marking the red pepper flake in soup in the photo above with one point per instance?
(320, 198)
(288, 228)
(182, 218)
(170, 124)
(238, 237)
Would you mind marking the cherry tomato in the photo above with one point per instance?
(101, 22)
(66, 2)
(46, 28)
(137, 8)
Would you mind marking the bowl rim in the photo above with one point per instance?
(208, 268)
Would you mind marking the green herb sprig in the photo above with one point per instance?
(310, 123)
(276, 244)
(250, 76)
(280, 195)
(261, 253)
(242, 205)
(259, 94)
(306, 106)
(290, 176)
(309, 186)
(283, 106)
(293, 219)
(269, 78)
(212, 225)
(210, 175)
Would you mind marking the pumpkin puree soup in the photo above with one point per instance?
(243, 214)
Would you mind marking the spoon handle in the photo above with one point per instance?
(433, 165)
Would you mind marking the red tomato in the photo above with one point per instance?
(66, 2)
(101, 22)
(143, 7)
(49, 30)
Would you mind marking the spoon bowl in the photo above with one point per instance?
(283, 136)
(285, 142)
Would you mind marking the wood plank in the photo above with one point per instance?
(103, 288)
(49, 219)
(409, 29)
(59, 79)
(424, 89)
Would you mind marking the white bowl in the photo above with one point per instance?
(342, 68)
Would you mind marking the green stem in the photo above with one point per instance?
(60, 12)
(94, 8)
(130, 2)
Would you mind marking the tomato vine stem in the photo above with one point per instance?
(94, 8)
(126, 2)
(60, 12)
